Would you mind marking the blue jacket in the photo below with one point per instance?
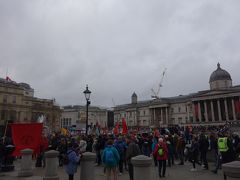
(71, 167)
(115, 153)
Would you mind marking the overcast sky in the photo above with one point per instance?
(117, 46)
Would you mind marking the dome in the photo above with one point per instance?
(219, 74)
(25, 85)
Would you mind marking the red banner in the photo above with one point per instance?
(124, 126)
(26, 136)
(116, 129)
(237, 106)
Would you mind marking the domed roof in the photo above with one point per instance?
(25, 85)
(219, 74)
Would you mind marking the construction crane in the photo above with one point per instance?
(156, 94)
(113, 102)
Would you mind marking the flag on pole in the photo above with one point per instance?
(124, 126)
(26, 135)
(116, 129)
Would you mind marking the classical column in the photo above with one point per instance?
(233, 108)
(166, 116)
(226, 109)
(205, 110)
(154, 116)
(199, 112)
(194, 113)
(212, 110)
(188, 114)
(161, 116)
(219, 110)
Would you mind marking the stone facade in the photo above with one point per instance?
(75, 116)
(18, 104)
(216, 106)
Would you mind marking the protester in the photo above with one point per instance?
(120, 146)
(161, 152)
(203, 147)
(226, 151)
(146, 147)
(180, 149)
(83, 145)
(194, 152)
(110, 160)
(43, 146)
(62, 148)
(132, 151)
(89, 147)
(170, 147)
(155, 142)
(72, 162)
(214, 147)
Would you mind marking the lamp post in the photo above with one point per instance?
(87, 94)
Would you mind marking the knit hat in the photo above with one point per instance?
(160, 140)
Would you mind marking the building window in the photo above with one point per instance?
(190, 108)
(172, 110)
(5, 98)
(179, 109)
(3, 115)
(179, 120)
(14, 99)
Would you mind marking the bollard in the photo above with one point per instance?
(87, 166)
(26, 163)
(51, 165)
(142, 167)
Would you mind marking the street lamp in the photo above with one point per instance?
(87, 94)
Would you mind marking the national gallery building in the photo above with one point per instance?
(217, 106)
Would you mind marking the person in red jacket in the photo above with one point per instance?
(161, 153)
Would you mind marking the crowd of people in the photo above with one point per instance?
(167, 147)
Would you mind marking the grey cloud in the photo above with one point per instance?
(117, 47)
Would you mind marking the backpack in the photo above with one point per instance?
(109, 157)
(160, 150)
(65, 158)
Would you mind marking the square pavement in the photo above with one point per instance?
(176, 172)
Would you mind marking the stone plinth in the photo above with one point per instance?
(231, 169)
(51, 165)
(26, 163)
(87, 166)
(142, 167)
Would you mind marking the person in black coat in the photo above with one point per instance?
(194, 152)
(203, 147)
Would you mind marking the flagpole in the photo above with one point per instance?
(5, 132)
(7, 73)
